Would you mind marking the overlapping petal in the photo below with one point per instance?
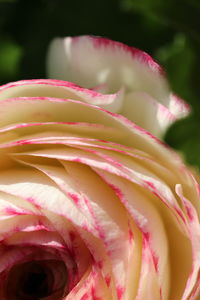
(87, 186)
(110, 67)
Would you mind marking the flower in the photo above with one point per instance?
(142, 92)
(92, 205)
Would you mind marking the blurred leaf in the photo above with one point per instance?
(180, 14)
(191, 150)
(10, 55)
(184, 136)
(8, 1)
(6, 9)
(178, 57)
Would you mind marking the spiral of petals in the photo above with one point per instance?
(91, 201)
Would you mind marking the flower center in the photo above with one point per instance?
(36, 280)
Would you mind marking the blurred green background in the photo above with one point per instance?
(169, 30)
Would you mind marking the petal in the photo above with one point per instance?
(91, 287)
(51, 109)
(91, 61)
(192, 288)
(61, 89)
(108, 66)
(146, 112)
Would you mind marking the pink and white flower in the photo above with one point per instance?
(92, 207)
(142, 92)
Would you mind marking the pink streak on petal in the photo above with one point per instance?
(34, 202)
(120, 292)
(108, 280)
(100, 42)
(84, 92)
(85, 297)
(155, 258)
(17, 211)
(93, 294)
(74, 197)
(130, 235)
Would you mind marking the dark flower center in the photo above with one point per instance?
(36, 280)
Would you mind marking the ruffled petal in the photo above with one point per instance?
(108, 66)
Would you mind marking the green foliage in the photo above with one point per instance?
(184, 135)
(10, 55)
(180, 57)
(167, 30)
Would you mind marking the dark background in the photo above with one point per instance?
(169, 30)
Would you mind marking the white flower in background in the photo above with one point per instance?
(142, 91)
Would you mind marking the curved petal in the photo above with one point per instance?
(107, 66)
(146, 112)
(61, 89)
(92, 61)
